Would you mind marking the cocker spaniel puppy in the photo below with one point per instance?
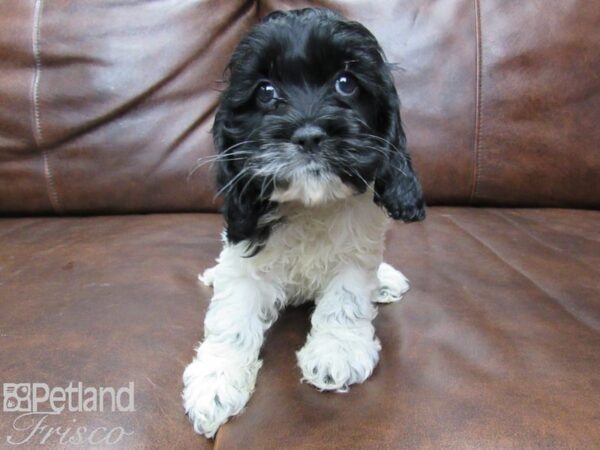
(311, 161)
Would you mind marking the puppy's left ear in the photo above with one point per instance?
(397, 188)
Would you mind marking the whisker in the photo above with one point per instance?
(254, 175)
(213, 159)
(238, 144)
(367, 185)
(222, 156)
(380, 150)
(381, 139)
(230, 183)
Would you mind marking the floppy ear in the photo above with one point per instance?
(243, 206)
(397, 188)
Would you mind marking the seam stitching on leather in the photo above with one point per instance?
(37, 128)
(478, 102)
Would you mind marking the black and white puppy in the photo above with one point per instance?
(311, 161)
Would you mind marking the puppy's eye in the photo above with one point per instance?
(346, 85)
(266, 93)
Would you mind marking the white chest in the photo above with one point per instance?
(307, 250)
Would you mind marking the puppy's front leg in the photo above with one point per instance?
(221, 378)
(341, 348)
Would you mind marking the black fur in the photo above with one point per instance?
(301, 53)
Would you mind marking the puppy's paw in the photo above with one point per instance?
(207, 278)
(392, 284)
(332, 362)
(214, 390)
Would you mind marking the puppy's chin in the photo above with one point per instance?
(311, 187)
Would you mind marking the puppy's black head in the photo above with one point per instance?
(310, 115)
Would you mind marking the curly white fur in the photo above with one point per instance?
(331, 253)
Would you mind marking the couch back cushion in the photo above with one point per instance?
(105, 107)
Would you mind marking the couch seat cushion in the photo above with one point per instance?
(497, 344)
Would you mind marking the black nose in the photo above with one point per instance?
(309, 137)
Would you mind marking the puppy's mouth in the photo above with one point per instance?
(306, 178)
(313, 165)
(311, 190)
(285, 162)
(333, 172)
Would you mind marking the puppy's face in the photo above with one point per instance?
(310, 115)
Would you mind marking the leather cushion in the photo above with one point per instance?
(496, 345)
(107, 106)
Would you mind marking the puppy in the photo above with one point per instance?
(311, 162)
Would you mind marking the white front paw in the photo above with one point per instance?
(216, 388)
(334, 360)
(207, 278)
(392, 284)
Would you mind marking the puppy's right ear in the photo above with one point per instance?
(242, 206)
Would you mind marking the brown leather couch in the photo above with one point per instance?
(105, 106)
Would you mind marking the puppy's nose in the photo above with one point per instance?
(308, 137)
